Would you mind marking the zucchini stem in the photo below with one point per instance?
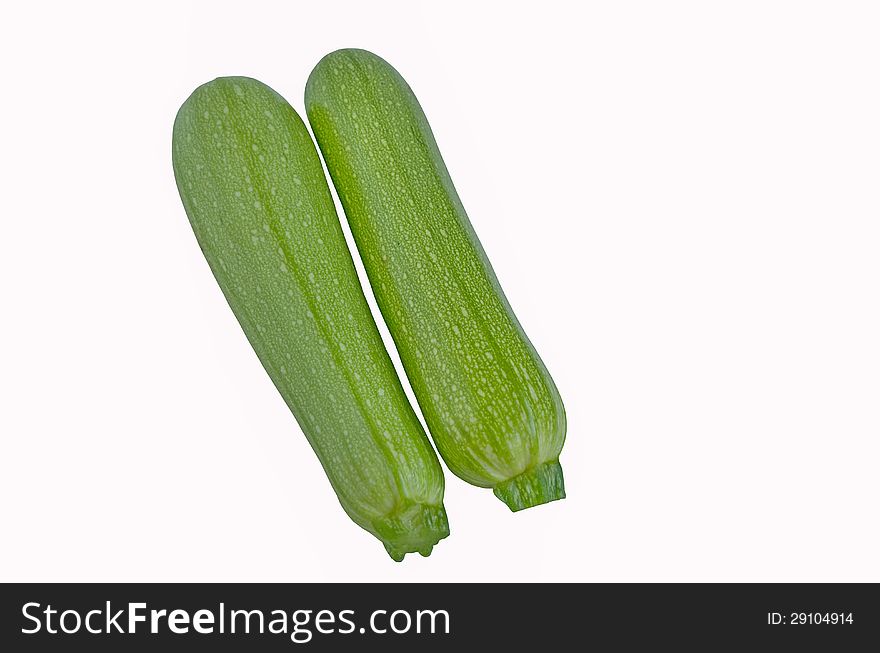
(541, 484)
(413, 528)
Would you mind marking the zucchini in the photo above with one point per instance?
(491, 406)
(253, 187)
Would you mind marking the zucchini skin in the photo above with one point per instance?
(491, 406)
(256, 196)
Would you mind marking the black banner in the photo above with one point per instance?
(332, 617)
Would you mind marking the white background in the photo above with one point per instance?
(681, 202)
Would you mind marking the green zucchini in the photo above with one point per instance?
(489, 402)
(253, 187)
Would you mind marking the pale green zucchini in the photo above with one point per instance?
(489, 402)
(257, 198)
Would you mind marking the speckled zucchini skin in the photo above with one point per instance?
(489, 402)
(257, 198)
